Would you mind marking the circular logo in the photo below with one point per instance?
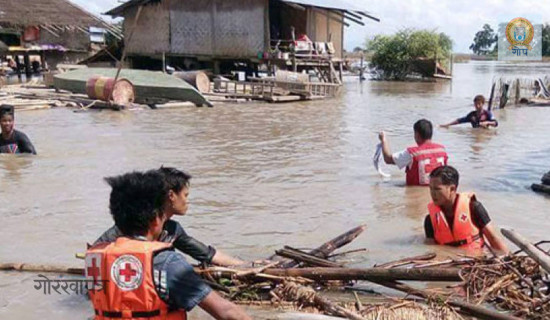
(127, 272)
(520, 32)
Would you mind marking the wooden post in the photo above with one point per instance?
(164, 62)
(517, 91)
(533, 252)
(361, 71)
(293, 52)
(28, 72)
(18, 66)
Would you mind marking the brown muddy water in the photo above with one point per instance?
(266, 175)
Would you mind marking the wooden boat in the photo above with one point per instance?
(151, 87)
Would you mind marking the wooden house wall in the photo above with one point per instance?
(220, 28)
(324, 24)
(152, 33)
(291, 17)
(336, 32)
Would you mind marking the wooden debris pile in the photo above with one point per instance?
(514, 283)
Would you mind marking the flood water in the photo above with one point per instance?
(266, 175)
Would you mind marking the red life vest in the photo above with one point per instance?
(464, 234)
(120, 281)
(426, 158)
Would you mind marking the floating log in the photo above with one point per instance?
(301, 256)
(380, 274)
(464, 307)
(106, 89)
(328, 247)
(535, 253)
(197, 79)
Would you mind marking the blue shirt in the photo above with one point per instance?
(474, 119)
(177, 284)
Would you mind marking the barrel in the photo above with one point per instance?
(197, 79)
(105, 89)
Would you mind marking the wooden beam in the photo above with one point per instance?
(368, 16)
(535, 253)
(359, 22)
(295, 6)
(356, 16)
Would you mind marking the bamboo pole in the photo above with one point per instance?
(323, 274)
(26, 267)
(328, 247)
(301, 256)
(535, 253)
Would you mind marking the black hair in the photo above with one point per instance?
(424, 129)
(174, 179)
(7, 109)
(447, 174)
(479, 98)
(136, 200)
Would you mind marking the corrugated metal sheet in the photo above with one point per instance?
(330, 4)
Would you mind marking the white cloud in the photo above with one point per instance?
(459, 19)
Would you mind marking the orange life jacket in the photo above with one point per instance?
(120, 281)
(464, 234)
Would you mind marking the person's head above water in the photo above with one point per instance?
(479, 101)
(136, 203)
(443, 185)
(7, 116)
(423, 131)
(176, 188)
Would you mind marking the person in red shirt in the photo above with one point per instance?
(419, 160)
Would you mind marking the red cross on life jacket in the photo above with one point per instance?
(127, 272)
(93, 271)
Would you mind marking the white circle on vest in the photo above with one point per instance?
(127, 272)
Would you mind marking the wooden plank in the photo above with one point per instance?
(535, 253)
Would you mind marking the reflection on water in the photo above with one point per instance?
(267, 175)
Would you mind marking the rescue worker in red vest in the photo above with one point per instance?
(137, 276)
(418, 160)
(458, 219)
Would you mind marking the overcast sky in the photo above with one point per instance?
(459, 19)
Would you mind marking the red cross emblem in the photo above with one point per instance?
(463, 217)
(127, 272)
(93, 270)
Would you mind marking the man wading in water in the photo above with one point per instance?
(138, 277)
(477, 118)
(419, 160)
(11, 140)
(458, 219)
(175, 195)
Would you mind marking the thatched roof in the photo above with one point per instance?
(58, 13)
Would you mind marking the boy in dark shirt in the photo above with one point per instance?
(11, 140)
(477, 118)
